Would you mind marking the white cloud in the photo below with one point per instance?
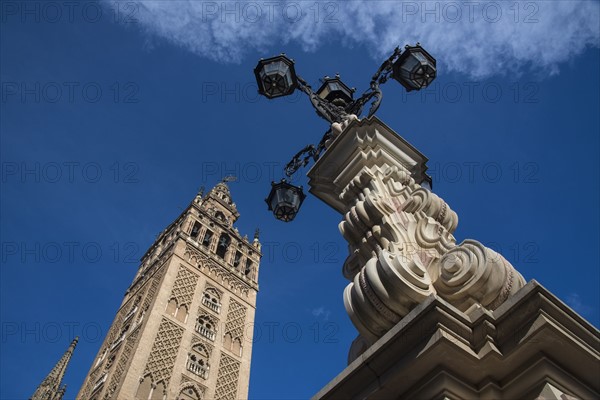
(479, 38)
(321, 312)
(574, 301)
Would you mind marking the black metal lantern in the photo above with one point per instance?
(276, 76)
(285, 200)
(335, 91)
(415, 68)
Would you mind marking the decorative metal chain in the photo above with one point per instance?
(325, 109)
(333, 113)
(302, 158)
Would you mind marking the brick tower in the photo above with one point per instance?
(184, 328)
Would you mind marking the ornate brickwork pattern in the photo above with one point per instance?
(227, 378)
(115, 329)
(150, 288)
(222, 274)
(184, 286)
(164, 351)
(120, 368)
(236, 318)
(88, 385)
(149, 269)
(151, 292)
(194, 256)
(97, 370)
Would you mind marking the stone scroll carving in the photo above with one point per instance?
(399, 234)
(402, 250)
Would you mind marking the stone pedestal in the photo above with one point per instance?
(531, 347)
(437, 319)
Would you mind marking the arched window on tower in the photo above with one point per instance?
(110, 362)
(101, 358)
(180, 312)
(206, 326)
(220, 216)
(237, 259)
(158, 392)
(227, 341)
(197, 361)
(133, 309)
(207, 238)
(145, 388)
(121, 337)
(233, 345)
(223, 245)
(100, 382)
(172, 307)
(211, 298)
(189, 393)
(195, 230)
(236, 347)
(248, 269)
(148, 390)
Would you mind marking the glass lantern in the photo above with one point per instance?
(335, 91)
(285, 200)
(415, 68)
(276, 77)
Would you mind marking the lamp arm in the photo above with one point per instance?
(378, 95)
(374, 91)
(330, 112)
(302, 158)
(299, 160)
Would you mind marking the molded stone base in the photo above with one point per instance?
(531, 347)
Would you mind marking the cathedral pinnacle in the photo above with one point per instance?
(51, 387)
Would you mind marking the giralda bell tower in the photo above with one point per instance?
(184, 329)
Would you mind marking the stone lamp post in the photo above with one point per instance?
(436, 319)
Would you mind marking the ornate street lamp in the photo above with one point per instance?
(285, 200)
(336, 92)
(276, 76)
(415, 68)
(334, 101)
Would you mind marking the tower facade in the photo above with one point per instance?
(184, 328)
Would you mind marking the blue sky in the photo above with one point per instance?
(114, 114)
